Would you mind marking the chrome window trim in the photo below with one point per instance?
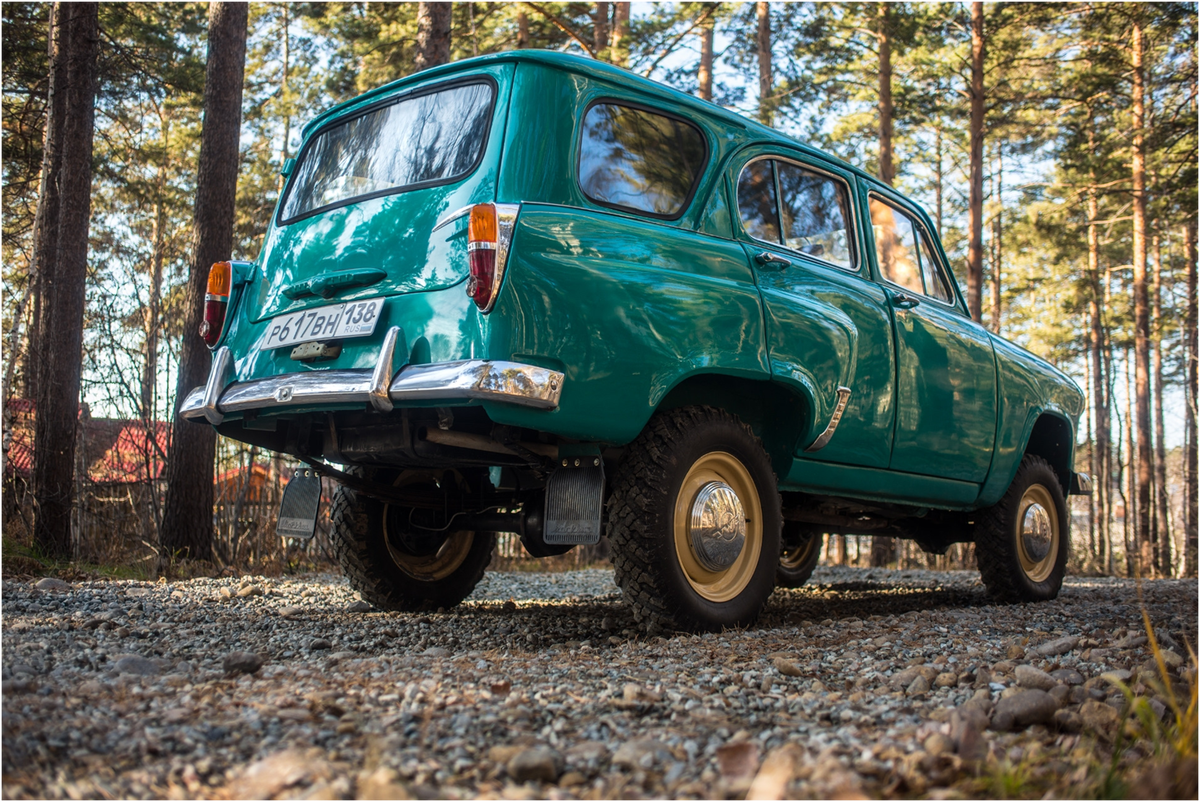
(852, 230)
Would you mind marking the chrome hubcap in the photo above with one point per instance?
(717, 526)
(1037, 532)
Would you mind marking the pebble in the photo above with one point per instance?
(1099, 718)
(360, 607)
(1024, 708)
(539, 764)
(1058, 646)
(242, 663)
(1030, 677)
(438, 704)
(136, 664)
(51, 583)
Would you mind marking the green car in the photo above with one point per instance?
(533, 293)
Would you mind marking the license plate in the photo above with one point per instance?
(333, 322)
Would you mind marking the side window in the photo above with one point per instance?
(896, 247)
(756, 201)
(814, 209)
(638, 160)
(936, 285)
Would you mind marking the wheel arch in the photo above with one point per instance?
(778, 414)
(1053, 439)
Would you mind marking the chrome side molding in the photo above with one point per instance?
(843, 394)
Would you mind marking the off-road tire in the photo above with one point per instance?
(997, 529)
(642, 514)
(357, 538)
(794, 568)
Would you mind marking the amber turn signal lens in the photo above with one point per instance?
(220, 275)
(483, 223)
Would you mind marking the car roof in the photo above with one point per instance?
(591, 68)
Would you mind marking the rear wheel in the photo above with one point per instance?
(798, 557)
(1021, 543)
(397, 558)
(694, 521)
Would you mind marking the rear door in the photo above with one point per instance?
(827, 324)
(946, 369)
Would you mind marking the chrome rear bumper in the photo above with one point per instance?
(509, 382)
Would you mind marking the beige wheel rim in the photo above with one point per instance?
(430, 567)
(797, 556)
(1037, 533)
(709, 481)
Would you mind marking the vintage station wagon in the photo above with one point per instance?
(534, 293)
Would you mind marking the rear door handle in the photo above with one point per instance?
(768, 258)
(902, 300)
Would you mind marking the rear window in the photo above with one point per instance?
(433, 138)
(634, 159)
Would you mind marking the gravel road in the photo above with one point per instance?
(876, 683)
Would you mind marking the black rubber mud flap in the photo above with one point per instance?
(301, 501)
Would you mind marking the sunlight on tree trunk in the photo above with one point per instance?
(887, 170)
(975, 205)
(765, 102)
(1141, 308)
(433, 35)
(704, 75)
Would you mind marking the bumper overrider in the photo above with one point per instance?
(472, 379)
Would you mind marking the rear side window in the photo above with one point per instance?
(638, 160)
(801, 209)
(429, 139)
(905, 255)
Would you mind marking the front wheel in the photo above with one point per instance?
(396, 559)
(694, 521)
(1021, 543)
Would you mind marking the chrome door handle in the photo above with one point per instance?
(768, 258)
(904, 301)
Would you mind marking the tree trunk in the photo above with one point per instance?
(45, 222)
(600, 40)
(998, 235)
(1162, 523)
(975, 204)
(150, 363)
(704, 75)
(620, 32)
(887, 171)
(61, 341)
(1141, 310)
(433, 35)
(939, 176)
(765, 81)
(187, 528)
(1190, 450)
(1099, 385)
(522, 30)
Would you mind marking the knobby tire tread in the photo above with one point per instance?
(995, 549)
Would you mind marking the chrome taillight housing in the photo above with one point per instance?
(489, 235)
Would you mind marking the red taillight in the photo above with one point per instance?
(481, 254)
(220, 275)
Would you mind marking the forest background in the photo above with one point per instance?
(1055, 145)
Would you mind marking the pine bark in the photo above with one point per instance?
(620, 32)
(1162, 522)
(1141, 310)
(998, 247)
(765, 80)
(45, 224)
(1101, 446)
(1190, 450)
(522, 30)
(887, 170)
(433, 35)
(600, 39)
(187, 529)
(61, 340)
(704, 75)
(975, 203)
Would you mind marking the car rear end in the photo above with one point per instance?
(372, 290)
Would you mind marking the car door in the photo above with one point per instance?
(946, 368)
(827, 323)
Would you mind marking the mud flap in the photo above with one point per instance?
(301, 501)
(574, 503)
